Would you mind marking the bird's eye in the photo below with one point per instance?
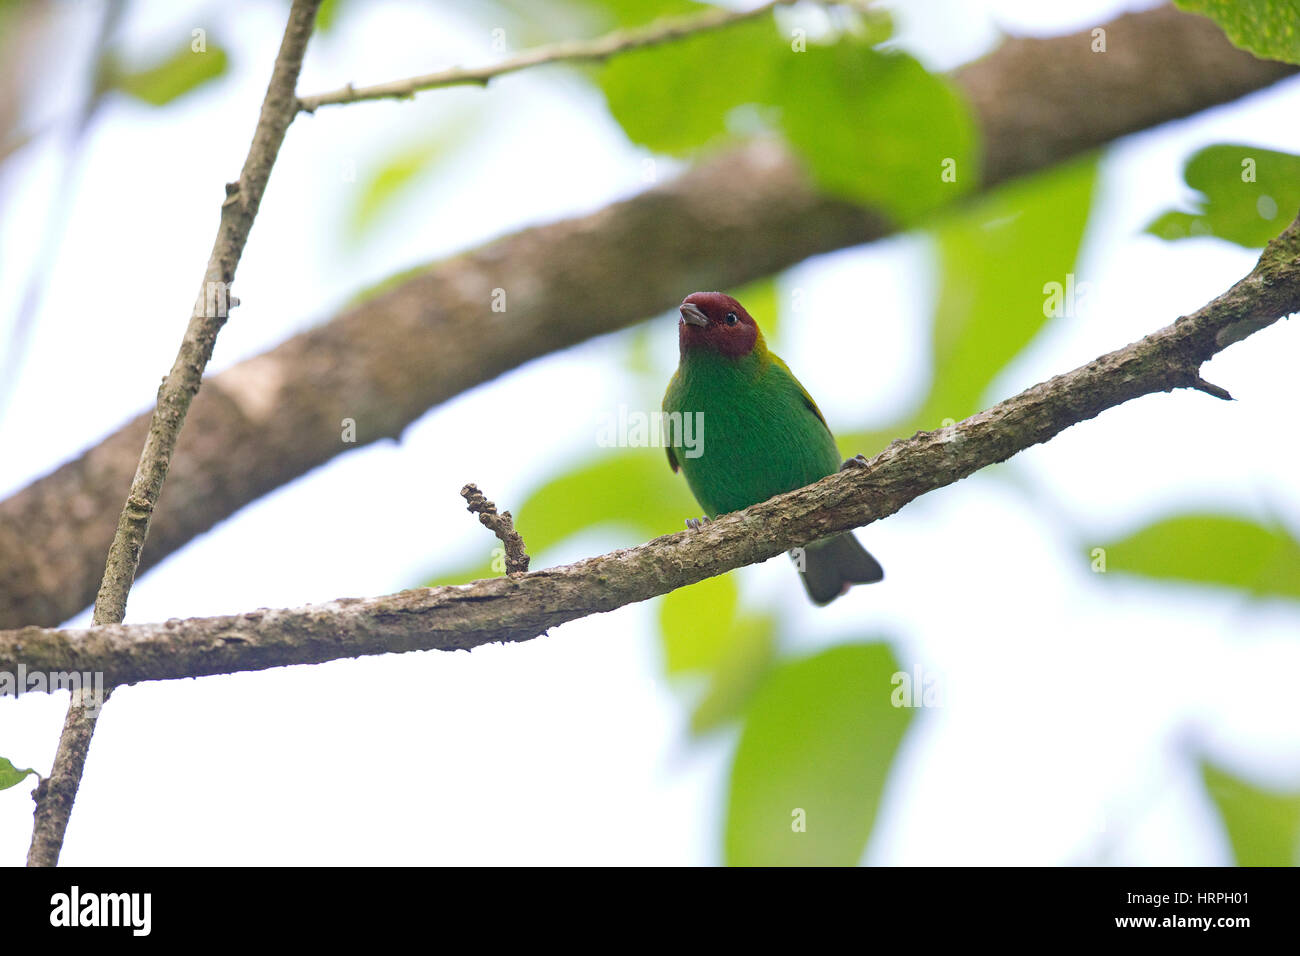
(731, 318)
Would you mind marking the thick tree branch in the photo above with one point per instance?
(520, 607)
(569, 51)
(744, 215)
(55, 797)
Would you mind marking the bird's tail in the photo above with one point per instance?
(832, 565)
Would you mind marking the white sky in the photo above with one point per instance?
(1073, 705)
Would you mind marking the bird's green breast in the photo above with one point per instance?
(761, 434)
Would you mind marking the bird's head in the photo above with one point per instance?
(717, 322)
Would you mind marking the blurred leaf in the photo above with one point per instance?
(738, 673)
(873, 127)
(385, 187)
(634, 13)
(1268, 28)
(160, 84)
(642, 343)
(762, 301)
(465, 573)
(703, 634)
(631, 488)
(386, 284)
(1212, 549)
(876, 128)
(11, 776)
(327, 15)
(1249, 195)
(527, 23)
(696, 623)
(819, 738)
(1263, 826)
(675, 98)
(997, 254)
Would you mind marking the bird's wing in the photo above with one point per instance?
(668, 403)
(812, 406)
(807, 399)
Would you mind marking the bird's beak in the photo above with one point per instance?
(692, 315)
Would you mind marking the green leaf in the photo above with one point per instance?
(818, 741)
(11, 776)
(703, 633)
(181, 73)
(1212, 549)
(739, 671)
(534, 22)
(762, 301)
(997, 255)
(471, 571)
(1263, 825)
(387, 284)
(1248, 195)
(696, 623)
(632, 489)
(386, 186)
(634, 13)
(875, 128)
(642, 342)
(1268, 28)
(675, 98)
(328, 15)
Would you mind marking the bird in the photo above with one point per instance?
(757, 433)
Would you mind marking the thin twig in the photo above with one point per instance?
(174, 396)
(501, 524)
(55, 794)
(1209, 388)
(523, 606)
(568, 51)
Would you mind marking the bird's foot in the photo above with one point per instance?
(695, 524)
(857, 461)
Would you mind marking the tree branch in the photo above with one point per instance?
(182, 383)
(54, 798)
(521, 607)
(501, 524)
(744, 215)
(55, 794)
(569, 51)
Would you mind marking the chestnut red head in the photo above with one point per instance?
(711, 320)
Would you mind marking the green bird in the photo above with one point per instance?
(754, 432)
